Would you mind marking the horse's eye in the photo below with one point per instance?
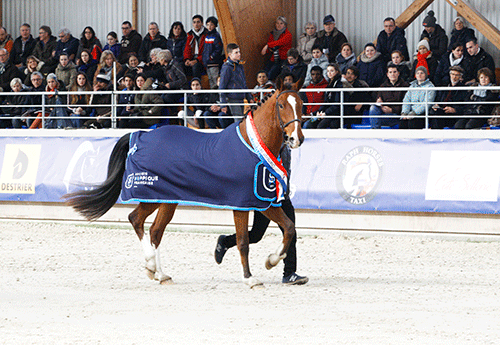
(281, 106)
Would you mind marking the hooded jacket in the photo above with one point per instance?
(371, 69)
(232, 76)
(129, 44)
(438, 41)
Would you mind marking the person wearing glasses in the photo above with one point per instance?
(90, 42)
(130, 43)
(7, 71)
(45, 47)
(66, 44)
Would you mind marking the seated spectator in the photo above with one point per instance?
(153, 63)
(479, 59)
(314, 99)
(193, 51)
(127, 99)
(16, 102)
(54, 102)
(330, 39)
(217, 116)
(195, 111)
(102, 103)
(388, 102)
(318, 60)
(176, 41)
(32, 65)
(438, 41)
(78, 103)
(106, 64)
(482, 102)
(455, 58)
(371, 66)
(278, 45)
(294, 65)
(44, 47)
(288, 78)
(90, 42)
(6, 40)
(35, 101)
(23, 47)
(460, 33)
(142, 106)
(390, 39)
(358, 99)
(153, 39)
(66, 44)
(7, 71)
(332, 102)
(306, 41)
(213, 51)
(263, 83)
(113, 43)
(133, 68)
(130, 43)
(441, 107)
(404, 67)
(416, 103)
(66, 70)
(346, 57)
(87, 65)
(425, 58)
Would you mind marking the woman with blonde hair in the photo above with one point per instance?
(105, 65)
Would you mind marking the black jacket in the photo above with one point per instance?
(454, 96)
(17, 55)
(147, 44)
(438, 41)
(130, 44)
(9, 72)
(442, 76)
(396, 41)
(481, 60)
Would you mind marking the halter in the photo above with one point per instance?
(283, 126)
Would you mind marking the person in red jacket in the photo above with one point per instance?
(314, 99)
(193, 51)
(279, 42)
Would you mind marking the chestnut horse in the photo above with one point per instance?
(277, 121)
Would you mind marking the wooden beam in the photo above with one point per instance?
(1, 13)
(135, 14)
(477, 20)
(412, 12)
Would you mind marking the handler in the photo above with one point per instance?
(259, 227)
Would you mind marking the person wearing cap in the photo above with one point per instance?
(153, 39)
(330, 39)
(424, 57)
(456, 57)
(417, 101)
(212, 51)
(278, 44)
(103, 101)
(390, 39)
(438, 41)
(460, 32)
(480, 59)
(444, 97)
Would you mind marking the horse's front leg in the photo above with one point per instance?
(241, 225)
(277, 215)
(163, 217)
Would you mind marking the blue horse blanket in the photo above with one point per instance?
(174, 164)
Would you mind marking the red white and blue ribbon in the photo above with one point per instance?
(267, 158)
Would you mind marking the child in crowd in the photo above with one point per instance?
(318, 60)
(113, 43)
(398, 60)
(194, 112)
(263, 82)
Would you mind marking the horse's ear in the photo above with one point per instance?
(279, 83)
(298, 85)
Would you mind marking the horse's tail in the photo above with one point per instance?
(94, 203)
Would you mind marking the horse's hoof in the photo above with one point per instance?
(253, 282)
(166, 281)
(272, 260)
(162, 277)
(150, 274)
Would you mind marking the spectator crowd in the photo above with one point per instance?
(322, 59)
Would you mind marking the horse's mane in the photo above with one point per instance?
(257, 105)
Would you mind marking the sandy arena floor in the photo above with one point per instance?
(74, 284)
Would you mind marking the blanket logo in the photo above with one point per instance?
(264, 183)
(140, 179)
(359, 175)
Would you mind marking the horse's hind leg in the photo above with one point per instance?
(164, 216)
(277, 215)
(137, 218)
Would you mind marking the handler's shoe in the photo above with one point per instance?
(220, 249)
(294, 279)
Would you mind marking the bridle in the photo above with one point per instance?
(284, 125)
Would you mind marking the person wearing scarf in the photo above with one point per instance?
(480, 99)
(424, 58)
(455, 58)
(278, 44)
(193, 51)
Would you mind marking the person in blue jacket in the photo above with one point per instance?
(212, 51)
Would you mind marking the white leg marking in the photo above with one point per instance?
(295, 135)
(159, 275)
(273, 259)
(149, 252)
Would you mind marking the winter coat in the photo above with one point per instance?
(455, 96)
(141, 99)
(357, 98)
(15, 100)
(149, 43)
(17, 55)
(418, 98)
(461, 36)
(232, 76)
(66, 74)
(345, 63)
(129, 44)
(94, 46)
(70, 47)
(322, 62)
(172, 74)
(438, 41)
(404, 69)
(212, 49)
(298, 70)
(332, 97)
(190, 48)
(176, 47)
(316, 97)
(477, 108)
(283, 43)
(115, 48)
(9, 72)
(432, 63)
(304, 46)
(442, 76)
(393, 96)
(372, 70)
(396, 41)
(43, 51)
(89, 69)
(480, 60)
(331, 44)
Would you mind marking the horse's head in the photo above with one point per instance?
(289, 112)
